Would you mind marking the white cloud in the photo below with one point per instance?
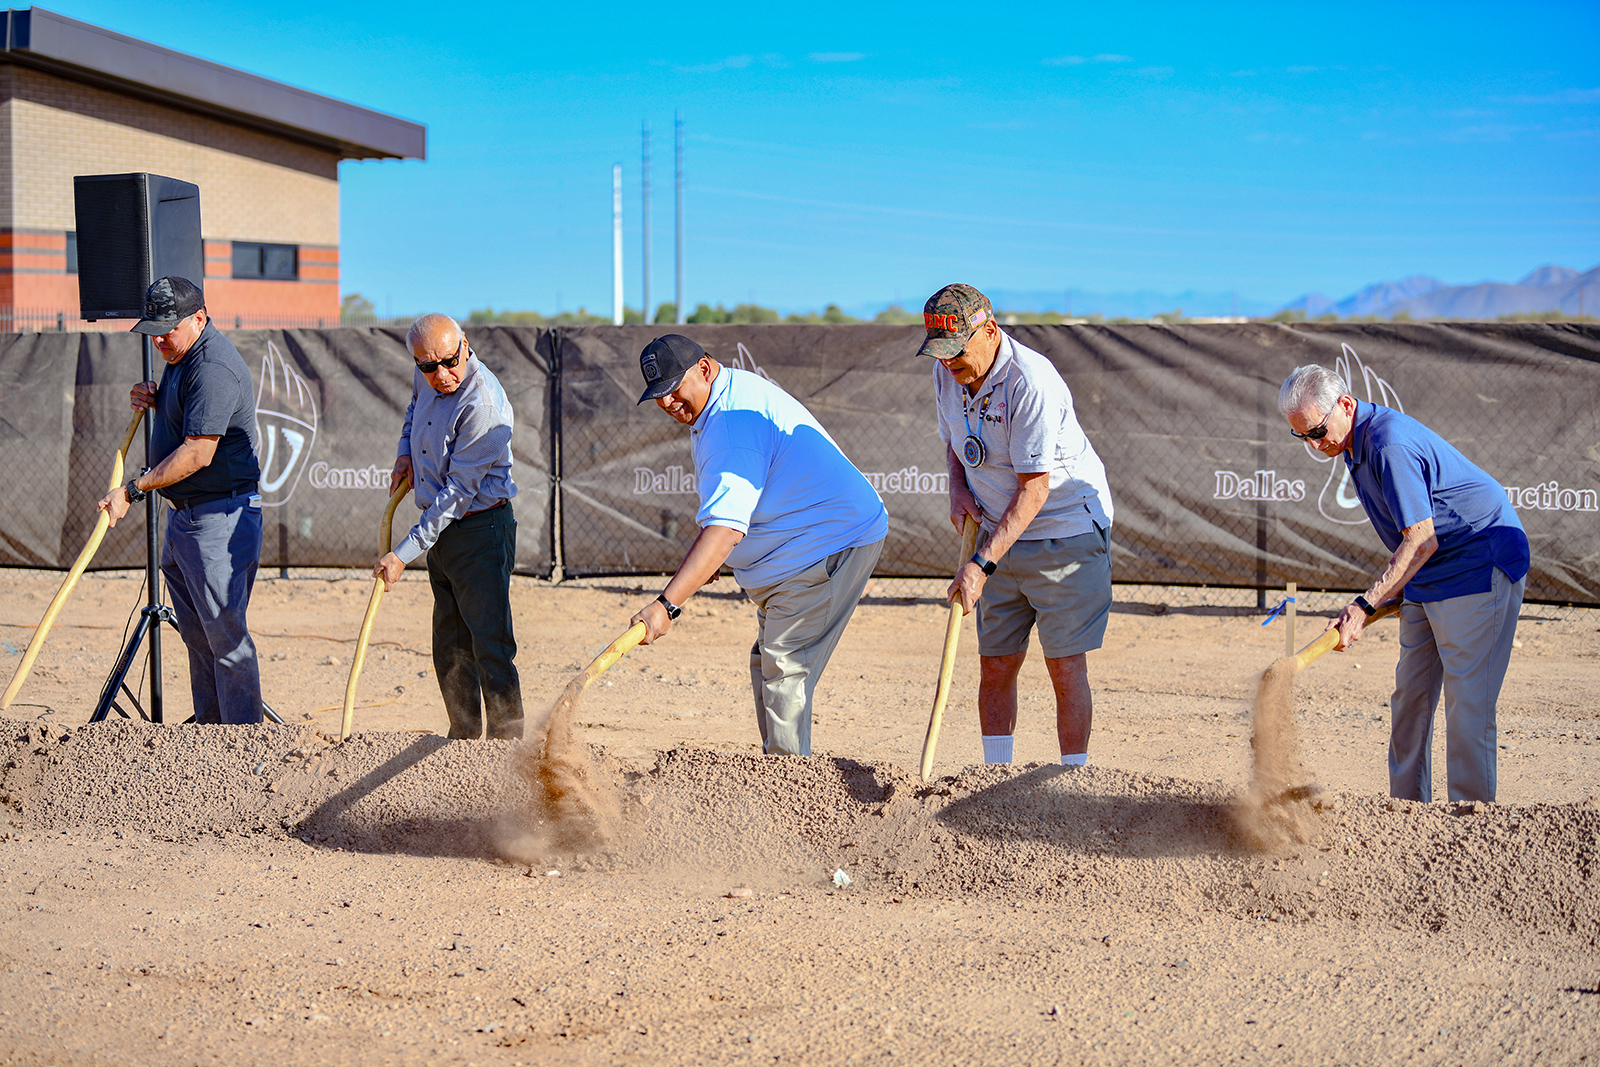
(1111, 57)
(837, 57)
(1063, 61)
(1565, 96)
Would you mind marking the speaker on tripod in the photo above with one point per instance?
(133, 229)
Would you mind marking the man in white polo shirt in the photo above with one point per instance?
(1021, 466)
(782, 506)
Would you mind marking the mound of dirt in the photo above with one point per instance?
(1032, 834)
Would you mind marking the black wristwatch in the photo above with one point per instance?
(135, 494)
(1361, 602)
(673, 611)
(988, 566)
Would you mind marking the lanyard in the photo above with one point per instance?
(972, 450)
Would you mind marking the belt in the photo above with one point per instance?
(208, 498)
(491, 507)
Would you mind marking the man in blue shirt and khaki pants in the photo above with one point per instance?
(779, 504)
(1459, 554)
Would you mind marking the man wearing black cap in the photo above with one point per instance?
(203, 443)
(1021, 466)
(783, 507)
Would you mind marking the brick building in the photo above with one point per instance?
(78, 99)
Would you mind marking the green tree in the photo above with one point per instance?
(706, 313)
(355, 308)
(895, 315)
(666, 313)
(752, 313)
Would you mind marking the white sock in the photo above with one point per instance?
(1074, 759)
(997, 749)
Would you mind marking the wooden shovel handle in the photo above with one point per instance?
(1324, 644)
(947, 663)
(385, 543)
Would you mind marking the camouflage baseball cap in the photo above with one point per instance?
(168, 302)
(951, 316)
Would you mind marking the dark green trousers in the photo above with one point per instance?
(469, 568)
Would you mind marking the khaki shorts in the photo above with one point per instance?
(1063, 584)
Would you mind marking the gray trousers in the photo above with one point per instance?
(469, 568)
(1460, 646)
(209, 560)
(800, 621)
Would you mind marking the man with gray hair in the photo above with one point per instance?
(456, 448)
(1459, 555)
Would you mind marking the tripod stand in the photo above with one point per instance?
(153, 614)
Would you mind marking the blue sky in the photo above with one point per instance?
(866, 153)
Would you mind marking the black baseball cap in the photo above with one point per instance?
(664, 362)
(168, 302)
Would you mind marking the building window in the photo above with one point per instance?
(271, 262)
(72, 252)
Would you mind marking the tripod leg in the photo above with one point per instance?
(108, 695)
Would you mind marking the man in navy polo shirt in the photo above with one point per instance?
(781, 505)
(1459, 554)
(203, 444)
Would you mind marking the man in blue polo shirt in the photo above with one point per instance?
(782, 506)
(203, 445)
(1459, 554)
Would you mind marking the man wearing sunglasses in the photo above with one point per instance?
(1023, 469)
(1459, 555)
(455, 447)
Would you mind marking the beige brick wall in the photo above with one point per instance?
(253, 187)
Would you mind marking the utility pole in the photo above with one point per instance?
(616, 244)
(644, 197)
(677, 126)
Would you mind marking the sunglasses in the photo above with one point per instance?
(1317, 432)
(430, 365)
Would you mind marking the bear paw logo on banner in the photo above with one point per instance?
(286, 427)
(1338, 501)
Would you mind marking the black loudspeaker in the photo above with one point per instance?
(133, 229)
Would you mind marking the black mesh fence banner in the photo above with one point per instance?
(1209, 487)
(329, 407)
(628, 498)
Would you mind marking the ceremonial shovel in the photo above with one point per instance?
(947, 665)
(386, 541)
(101, 524)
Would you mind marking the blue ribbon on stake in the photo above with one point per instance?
(1279, 610)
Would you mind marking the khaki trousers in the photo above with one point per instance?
(800, 621)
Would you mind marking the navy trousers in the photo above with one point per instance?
(209, 560)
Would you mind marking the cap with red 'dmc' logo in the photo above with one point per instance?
(951, 316)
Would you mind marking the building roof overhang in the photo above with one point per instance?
(86, 53)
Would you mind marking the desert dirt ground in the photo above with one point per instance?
(186, 895)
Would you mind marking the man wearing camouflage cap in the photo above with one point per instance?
(1021, 466)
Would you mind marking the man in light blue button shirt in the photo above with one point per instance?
(456, 447)
(780, 504)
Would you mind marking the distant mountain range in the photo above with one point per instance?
(1136, 305)
(1550, 288)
